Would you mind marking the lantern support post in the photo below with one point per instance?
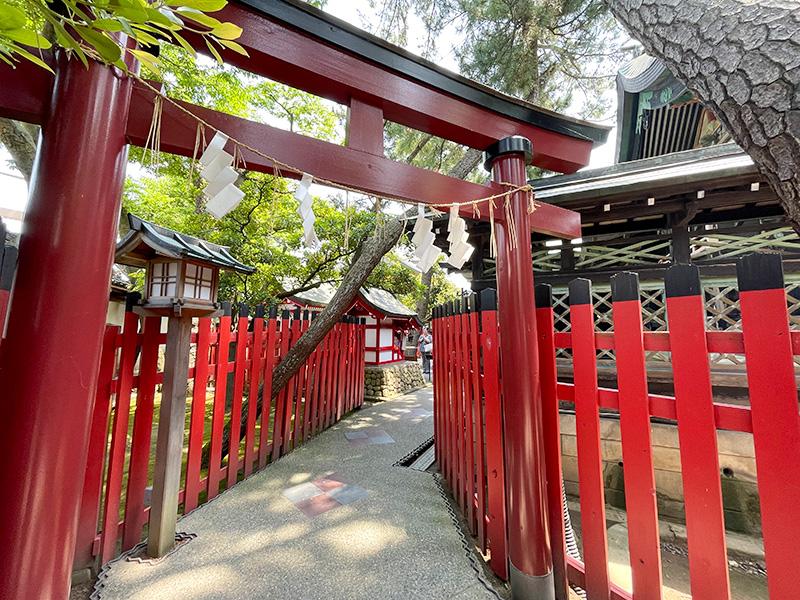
(169, 445)
(531, 568)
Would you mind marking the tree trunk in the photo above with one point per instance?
(742, 61)
(424, 302)
(20, 141)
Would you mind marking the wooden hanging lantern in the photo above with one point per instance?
(182, 272)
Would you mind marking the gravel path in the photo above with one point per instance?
(253, 542)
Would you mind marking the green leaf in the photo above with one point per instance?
(227, 31)
(11, 17)
(186, 45)
(28, 38)
(199, 17)
(148, 60)
(155, 16)
(213, 51)
(234, 46)
(34, 59)
(105, 46)
(202, 5)
(108, 25)
(136, 14)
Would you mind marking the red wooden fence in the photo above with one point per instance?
(469, 433)
(328, 385)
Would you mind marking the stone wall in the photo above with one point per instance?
(387, 381)
(736, 463)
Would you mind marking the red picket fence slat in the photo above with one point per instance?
(468, 426)
(127, 395)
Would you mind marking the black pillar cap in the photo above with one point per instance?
(227, 309)
(474, 303)
(543, 295)
(624, 287)
(131, 300)
(244, 309)
(285, 314)
(682, 280)
(296, 313)
(362, 321)
(273, 312)
(580, 291)
(514, 144)
(760, 271)
(260, 311)
(489, 299)
(305, 315)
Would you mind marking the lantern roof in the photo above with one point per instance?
(147, 240)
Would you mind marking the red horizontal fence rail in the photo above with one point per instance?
(466, 385)
(229, 437)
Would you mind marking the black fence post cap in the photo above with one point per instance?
(543, 295)
(580, 292)
(514, 144)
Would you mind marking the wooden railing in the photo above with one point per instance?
(469, 435)
(225, 381)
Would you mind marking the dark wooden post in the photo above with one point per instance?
(169, 445)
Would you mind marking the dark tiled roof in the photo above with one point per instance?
(146, 239)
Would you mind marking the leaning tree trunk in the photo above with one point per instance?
(20, 141)
(742, 60)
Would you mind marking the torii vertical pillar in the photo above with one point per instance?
(50, 357)
(531, 568)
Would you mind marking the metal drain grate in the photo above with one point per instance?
(420, 458)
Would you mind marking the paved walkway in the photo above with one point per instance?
(332, 520)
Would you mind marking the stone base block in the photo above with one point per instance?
(387, 381)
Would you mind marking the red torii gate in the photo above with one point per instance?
(49, 359)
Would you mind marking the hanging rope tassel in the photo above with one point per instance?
(512, 232)
(493, 237)
(153, 141)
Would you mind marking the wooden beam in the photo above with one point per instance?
(364, 127)
(23, 91)
(344, 166)
(284, 54)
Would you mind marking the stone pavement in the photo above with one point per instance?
(332, 520)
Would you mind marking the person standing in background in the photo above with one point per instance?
(426, 350)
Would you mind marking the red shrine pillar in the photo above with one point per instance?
(530, 571)
(50, 357)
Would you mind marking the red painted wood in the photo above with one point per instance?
(292, 424)
(285, 55)
(495, 464)
(361, 362)
(215, 471)
(776, 432)
(26, 89)
(330, 161)
(280, 405)
(455, 465)
(310, 428)
(305, 387)
(142, 429)
(98, 439)
(198, 416)
(576, 568)
(5, 296)
(480, 458)
(552, 445)
(254, 374)
(469, 422)
(328, 378)
(697, 433)
(449, 401)
(526, 488)
(436, 365)
(236, 404)
(637, 451)
(266, 400)
(51, 352)
(119, 438)
(365, 126)
(458, 397)
(590, 457)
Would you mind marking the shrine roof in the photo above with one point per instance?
(146, 240)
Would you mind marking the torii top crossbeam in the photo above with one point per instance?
(296, 44)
